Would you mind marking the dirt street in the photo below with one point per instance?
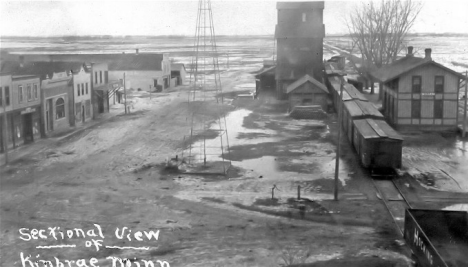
(113, 175)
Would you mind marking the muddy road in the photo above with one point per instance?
(114, 175)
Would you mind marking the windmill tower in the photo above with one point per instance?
(207, 144)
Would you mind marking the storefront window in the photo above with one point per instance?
(29, 91)
(36, 91)
(20, 94)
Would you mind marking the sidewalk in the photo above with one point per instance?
(44, 143)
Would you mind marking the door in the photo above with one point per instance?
(49, 116)
(28, 128)
(82, 114)
(100, 101)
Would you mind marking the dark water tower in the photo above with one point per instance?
(299, 35)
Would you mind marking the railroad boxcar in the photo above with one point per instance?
(437, 237)
(377, 145)
(357, 110)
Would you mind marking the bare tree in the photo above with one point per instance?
(379, 29)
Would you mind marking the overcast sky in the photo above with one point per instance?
(157, 17)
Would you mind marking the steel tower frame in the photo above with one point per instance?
(206, 78)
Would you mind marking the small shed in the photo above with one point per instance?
(307, 91)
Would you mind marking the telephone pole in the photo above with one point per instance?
(338, 150)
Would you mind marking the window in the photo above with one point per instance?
(95, 77)
(100, 76)
(438, 109)
(416, 84)
(35, 91)
(416, 109)
(78, 85)
(86, 88)
(439, 84)
(82, 88)
(20, 94)
(59, 108)
(7, 95)
(106, 76)
(29, 91)
(304, 17)
(1, 96)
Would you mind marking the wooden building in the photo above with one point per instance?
(419, 93)
(178, 72)
(299, 39)
(57, 102)
(265, 78)
(143, 71)
(307, 91)
(21, 104)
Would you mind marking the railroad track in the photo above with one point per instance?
(394, 201)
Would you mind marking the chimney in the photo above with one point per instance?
(137, 51)
(428, 53)
(410, 51)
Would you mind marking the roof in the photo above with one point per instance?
(141, 61)
(358, 108)
(300, 5)
(371, 129)
(177, 66)
(41, 69)
(304, 79)
(353, 92)
(265, 70)
(303, 30)
(404, 65)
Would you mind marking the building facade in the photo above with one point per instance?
(82, 95)
(5, 109)
(22, 108)
(100, 88)
(57, 102)
(299, 39)
(419, 93)
(308, 91)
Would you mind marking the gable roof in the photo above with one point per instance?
(265, 70)
(304, 79)
(41, 69)
(404, 65)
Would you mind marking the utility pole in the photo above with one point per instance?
(150, 91)
(338, 150)
(125, 94)
(5, 124)
(466, 96)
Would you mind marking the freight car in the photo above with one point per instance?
(357, 110)
(437, 238)
(378, 146)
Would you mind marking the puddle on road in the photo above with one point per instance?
(457, 207)
(315, 159)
